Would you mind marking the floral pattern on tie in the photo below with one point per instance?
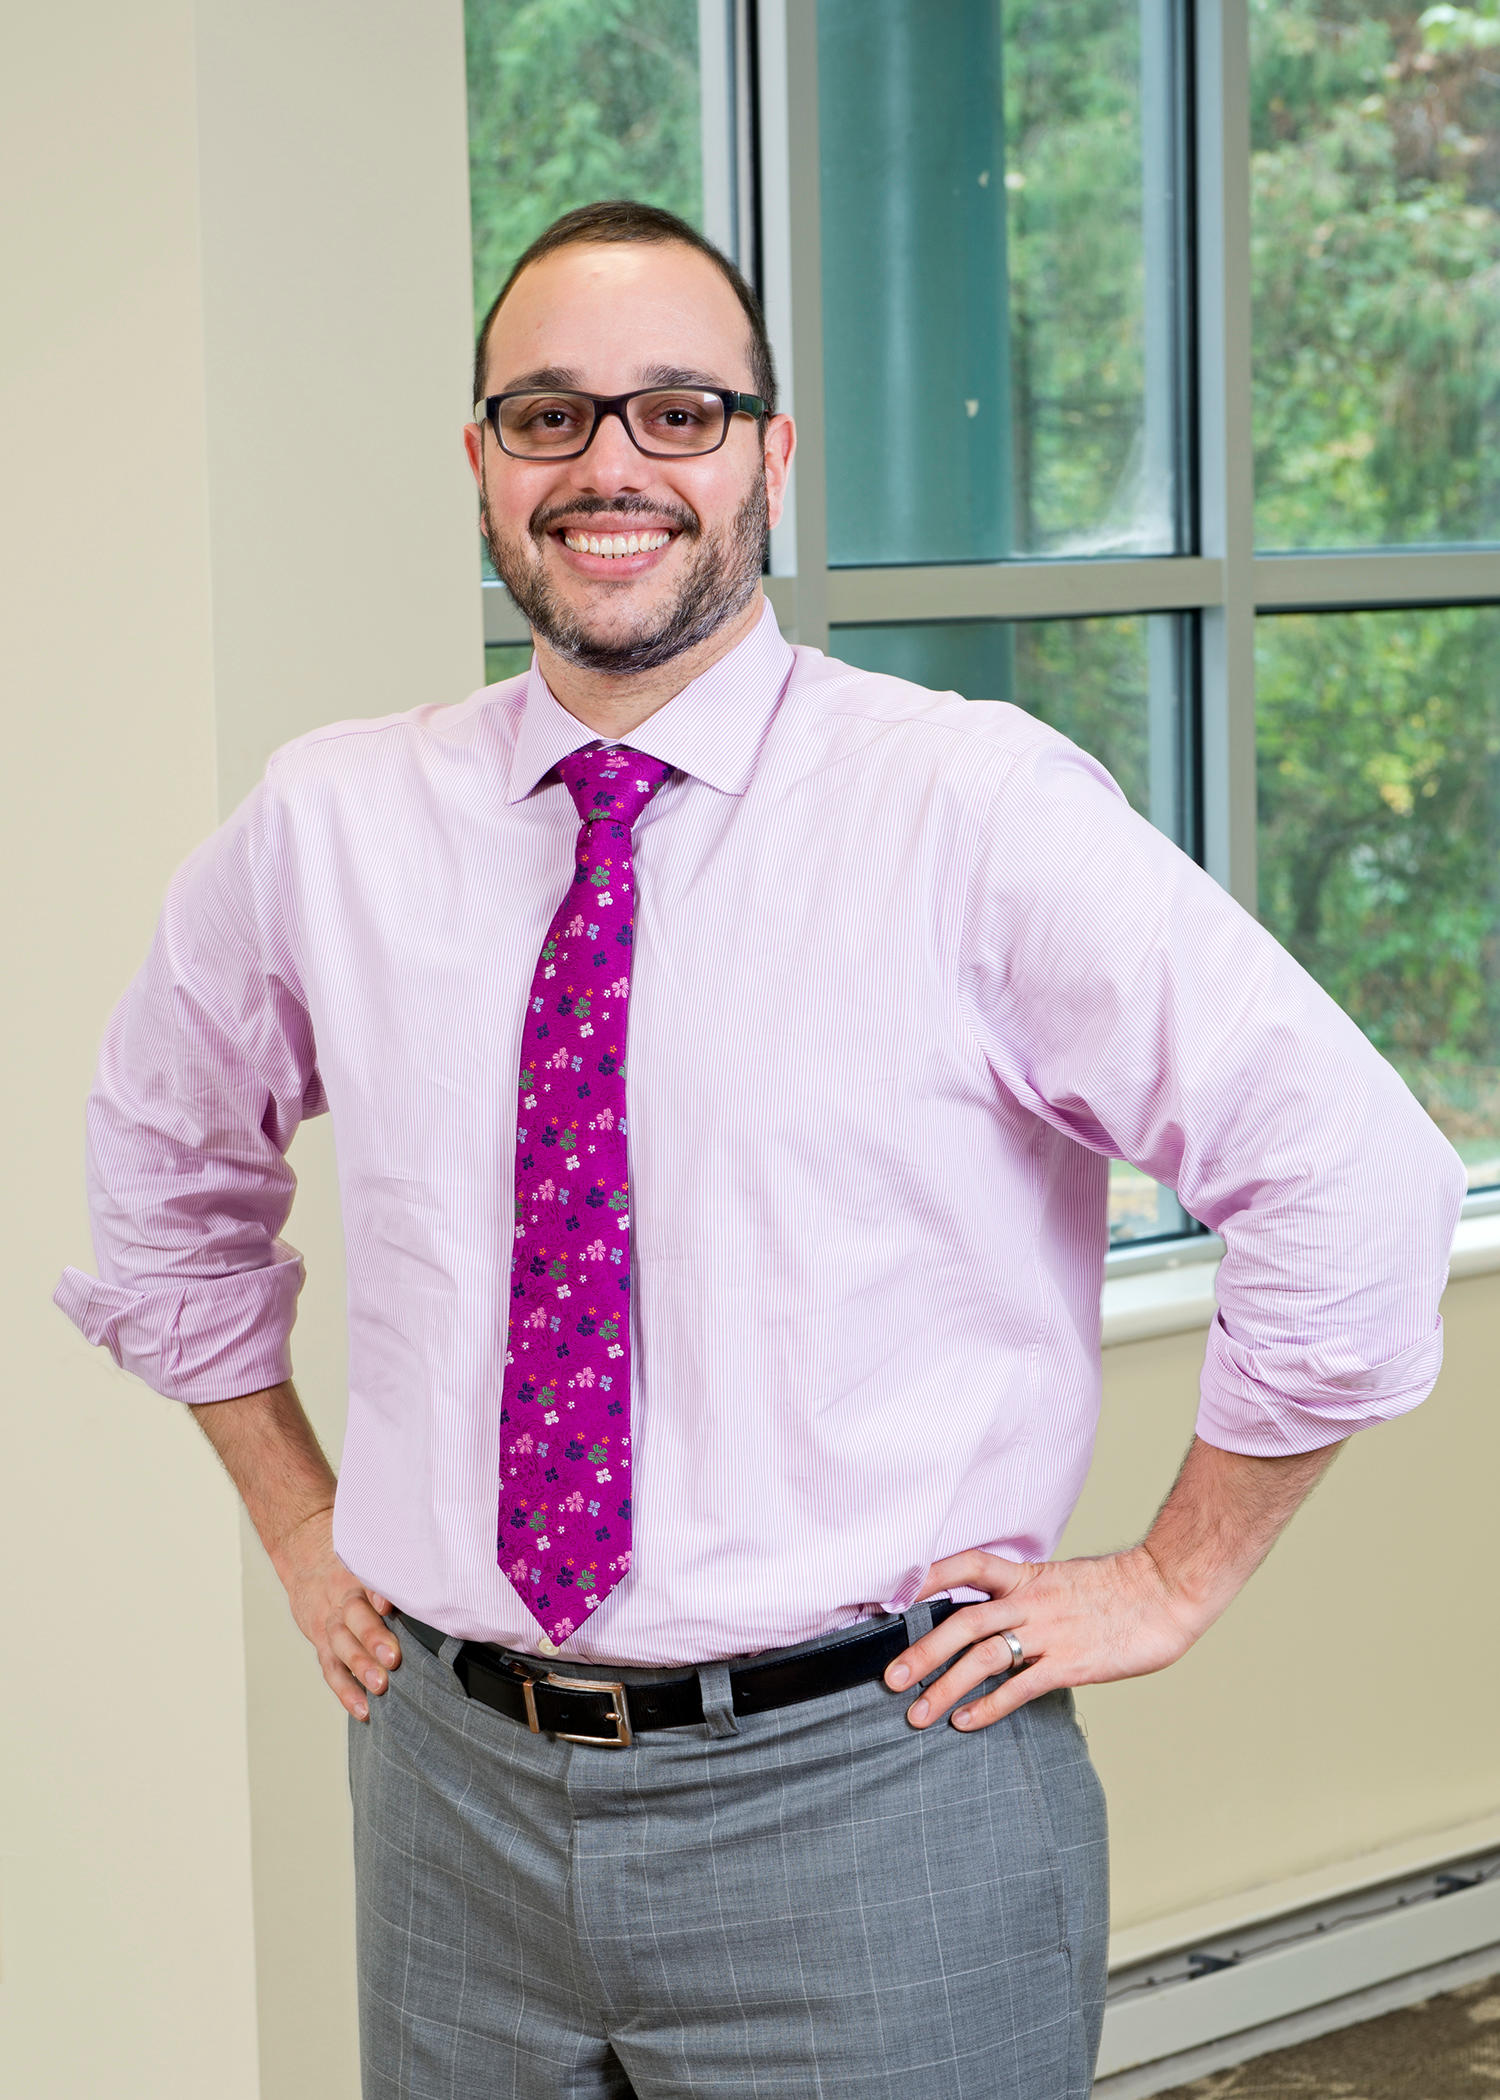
(564, 1519)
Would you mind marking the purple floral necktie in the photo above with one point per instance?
(564, 1530)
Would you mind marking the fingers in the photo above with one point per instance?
(973, 1570)
(357, 1652)
(988, 1657)
(345, 1624)
(1018, 1688)
(366, 1621)
(344, 1688)
(971, 1622)
(357, 1659)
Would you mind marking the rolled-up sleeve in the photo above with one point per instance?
(207, 1068)
(1126, 1000)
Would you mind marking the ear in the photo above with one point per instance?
(474, 448)
(781, 443)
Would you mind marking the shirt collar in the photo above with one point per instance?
(713, 729)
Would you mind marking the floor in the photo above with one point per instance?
(1446, 2048)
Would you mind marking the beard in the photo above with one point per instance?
(722, 572)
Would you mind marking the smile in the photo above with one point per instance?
(612, 545)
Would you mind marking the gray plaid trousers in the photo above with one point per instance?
(819, 1900)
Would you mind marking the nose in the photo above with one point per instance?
(611, 465)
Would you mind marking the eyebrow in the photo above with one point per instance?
(565, 377)
(678, 375)
(543, 376)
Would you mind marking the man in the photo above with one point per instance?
(689, 1569)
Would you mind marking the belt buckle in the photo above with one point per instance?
(620, 1740)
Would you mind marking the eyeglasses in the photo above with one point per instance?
(673, 422)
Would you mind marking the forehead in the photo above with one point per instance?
(609, 312)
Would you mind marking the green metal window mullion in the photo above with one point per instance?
(1221, 123)
(791, 285)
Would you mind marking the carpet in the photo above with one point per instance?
(1445, 2048)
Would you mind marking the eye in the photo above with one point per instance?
(544, 418)
(548, 415)
(679, 415)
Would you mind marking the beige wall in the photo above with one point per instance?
(235, 359)
(1348, 1701)
(235, 507)
(337, 339)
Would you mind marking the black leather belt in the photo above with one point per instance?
(606, 1712)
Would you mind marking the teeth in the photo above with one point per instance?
(612, 544)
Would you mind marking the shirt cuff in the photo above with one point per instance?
(198, 1339)
(1274, 1402)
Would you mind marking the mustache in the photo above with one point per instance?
(545, 516)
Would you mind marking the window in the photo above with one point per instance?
(1176, 326)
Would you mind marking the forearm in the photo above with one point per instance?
(1221, 1519)
(270, 1452)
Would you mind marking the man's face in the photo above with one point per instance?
(606, 319)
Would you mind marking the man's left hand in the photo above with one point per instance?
(1078, 1622)
(1123, 1615)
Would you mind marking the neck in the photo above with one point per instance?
(614, 703)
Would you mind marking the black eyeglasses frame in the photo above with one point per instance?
(488, 411)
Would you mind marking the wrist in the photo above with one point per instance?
(308, 1537)
(1193, 1596)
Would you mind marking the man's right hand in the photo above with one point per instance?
(343, 1620)
(271, 1454)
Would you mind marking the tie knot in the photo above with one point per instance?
(613, 782)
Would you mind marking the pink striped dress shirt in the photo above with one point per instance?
(908, 970)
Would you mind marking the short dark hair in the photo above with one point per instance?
(622, 219)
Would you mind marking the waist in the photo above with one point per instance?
(609, 1705)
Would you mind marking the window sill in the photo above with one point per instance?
(1139, 1308)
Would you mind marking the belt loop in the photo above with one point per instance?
(449, 1651)
(918, 1619)
(718, 1699)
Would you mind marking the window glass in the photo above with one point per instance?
(1376, 177)
(568, 104)
(1379, 785)
(999, 343)
(1115, 686)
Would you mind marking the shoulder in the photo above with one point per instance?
(988, 746)
(384, 749)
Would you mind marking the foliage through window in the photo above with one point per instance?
(571, 101)
(1376, 214)
(1379, 790)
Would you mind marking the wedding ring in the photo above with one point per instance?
(1017, 1652)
